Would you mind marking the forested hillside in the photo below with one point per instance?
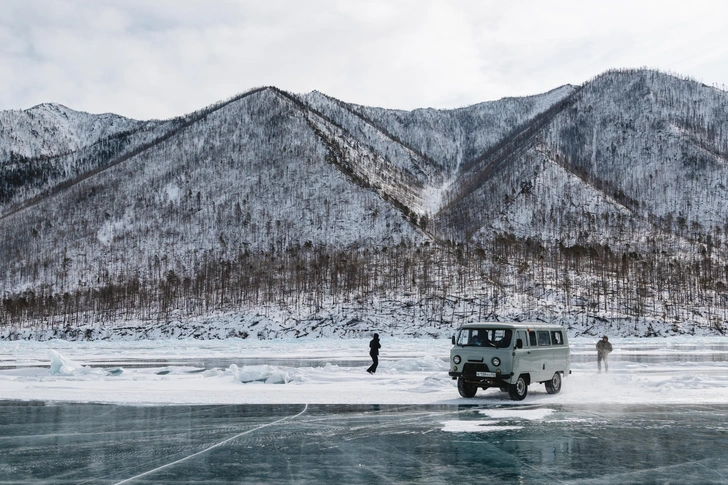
(603, 206)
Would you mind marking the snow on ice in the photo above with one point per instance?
(673, 370)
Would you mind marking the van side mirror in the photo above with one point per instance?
(453, 339)
(519, 343)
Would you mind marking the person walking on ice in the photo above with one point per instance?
(603, 350)
(374, 347)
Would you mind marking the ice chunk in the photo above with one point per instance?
(260, 373)
(63, 366)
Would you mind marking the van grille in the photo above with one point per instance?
(470, 368)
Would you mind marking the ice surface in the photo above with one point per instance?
(74, 443)
(675, 370)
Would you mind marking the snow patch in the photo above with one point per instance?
(426, 363)
(528, 414)
(665, 371)
(475, 427)
(172, 191)
(110, 228)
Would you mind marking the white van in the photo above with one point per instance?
(509, 356)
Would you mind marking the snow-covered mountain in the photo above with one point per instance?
(636, 152)
(49, 130)
(597, 205)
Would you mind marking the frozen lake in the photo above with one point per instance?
(679, 370)
(70, 443)
(305, 411)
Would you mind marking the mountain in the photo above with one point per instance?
(602, 206)
(641, 144)
(49, 130)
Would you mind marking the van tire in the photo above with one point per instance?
(554, 385)
(519, 390)
(465, 389)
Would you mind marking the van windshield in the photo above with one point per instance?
(481, 337)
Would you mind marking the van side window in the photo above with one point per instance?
(543, 338)
(532, 338)
(557, 338)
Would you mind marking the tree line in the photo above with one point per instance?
(593, 282)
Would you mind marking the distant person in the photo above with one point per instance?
(603, 350)
(374, 347)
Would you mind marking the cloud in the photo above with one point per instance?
(165, 58)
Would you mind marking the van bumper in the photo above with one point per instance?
(484, 382)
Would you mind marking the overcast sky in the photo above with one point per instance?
(158, 59)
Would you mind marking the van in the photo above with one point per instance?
(510, 356)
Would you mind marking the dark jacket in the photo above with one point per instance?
(374, 346)
(603, 348)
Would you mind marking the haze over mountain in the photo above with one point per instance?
(604, 206)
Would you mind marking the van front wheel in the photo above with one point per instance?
(519, 390)
(465, 389)
(554, 385)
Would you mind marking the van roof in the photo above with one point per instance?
(527, 325)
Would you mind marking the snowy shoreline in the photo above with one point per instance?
(393, 318)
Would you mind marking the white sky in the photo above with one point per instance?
(162, 58)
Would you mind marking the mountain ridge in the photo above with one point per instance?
(313, 206)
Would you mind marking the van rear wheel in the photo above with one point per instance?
(465, 389)
(519, 390)
(554, 385)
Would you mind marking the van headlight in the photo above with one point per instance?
(456, 359)
(496, 361)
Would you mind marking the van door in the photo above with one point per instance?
(522, 356)
(528, 357)
(545, 362)
(560, 350)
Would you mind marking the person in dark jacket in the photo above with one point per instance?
(374, 347)
(603, 350)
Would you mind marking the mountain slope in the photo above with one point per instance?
(645, 142)
(431, 144)
(49, 129)
(599, 203)
(251, 176)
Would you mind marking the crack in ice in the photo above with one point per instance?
(211, 447)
